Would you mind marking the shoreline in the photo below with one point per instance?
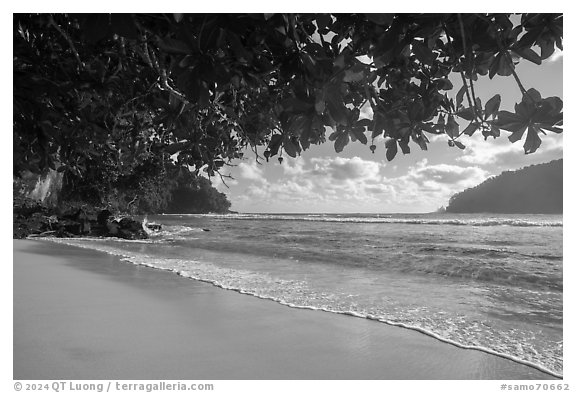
(83, 314)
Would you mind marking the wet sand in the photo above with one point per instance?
(81, 314)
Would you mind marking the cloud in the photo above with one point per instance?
(340, 184)
(321, 184)
(250, 171)
(257, 192)
(446, 174)
(293, 166)
(502, 154)
(282, 196)
(340, 168)
(431, 186)
(378, 189)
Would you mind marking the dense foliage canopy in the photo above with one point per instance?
(197, 196)
(105, 96)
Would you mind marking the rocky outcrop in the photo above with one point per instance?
(33, 219)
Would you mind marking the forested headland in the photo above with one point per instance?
(536, 189)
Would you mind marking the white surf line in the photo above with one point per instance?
(371, 317)
(129, 258)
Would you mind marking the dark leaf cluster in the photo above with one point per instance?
(99, 95)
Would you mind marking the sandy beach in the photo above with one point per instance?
(81, 314)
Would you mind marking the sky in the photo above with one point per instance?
(357, 181)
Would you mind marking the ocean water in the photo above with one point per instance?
(487, 282)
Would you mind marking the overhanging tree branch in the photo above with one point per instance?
(53, 23)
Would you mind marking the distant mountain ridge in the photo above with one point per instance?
(536, 189)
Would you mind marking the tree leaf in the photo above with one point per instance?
(172, 46)
(335, 104)
(377, 125)
(297, 123)
(355, 73)
(384, 59)
(324, 21)
(123, 25)
(534, 95)
(460, 145)
(203, 95)
(309, 62)
(533, 141)
(555, 104)
(381, 19)
(478, 106)
(337, 111)
(452, 127)
(290, 147)
(466, 113)
(501, 65)
(529, 39)
(423, 53)
(421, 140)
(529, 55)
(320, 104)
(359, 133)
(444, 84)
(471, 129)
(404, 145)
(95, 26)
(509, 121)
(460, 96)
(391, 149)
(294, 104)
(517, 135)
(492, 106)
(307, 134)
(546, 47)
(364, 123)
(241, 53)
(494, 131)
(341, 141)
(505, 67)
(274, 144)
(441, 121)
